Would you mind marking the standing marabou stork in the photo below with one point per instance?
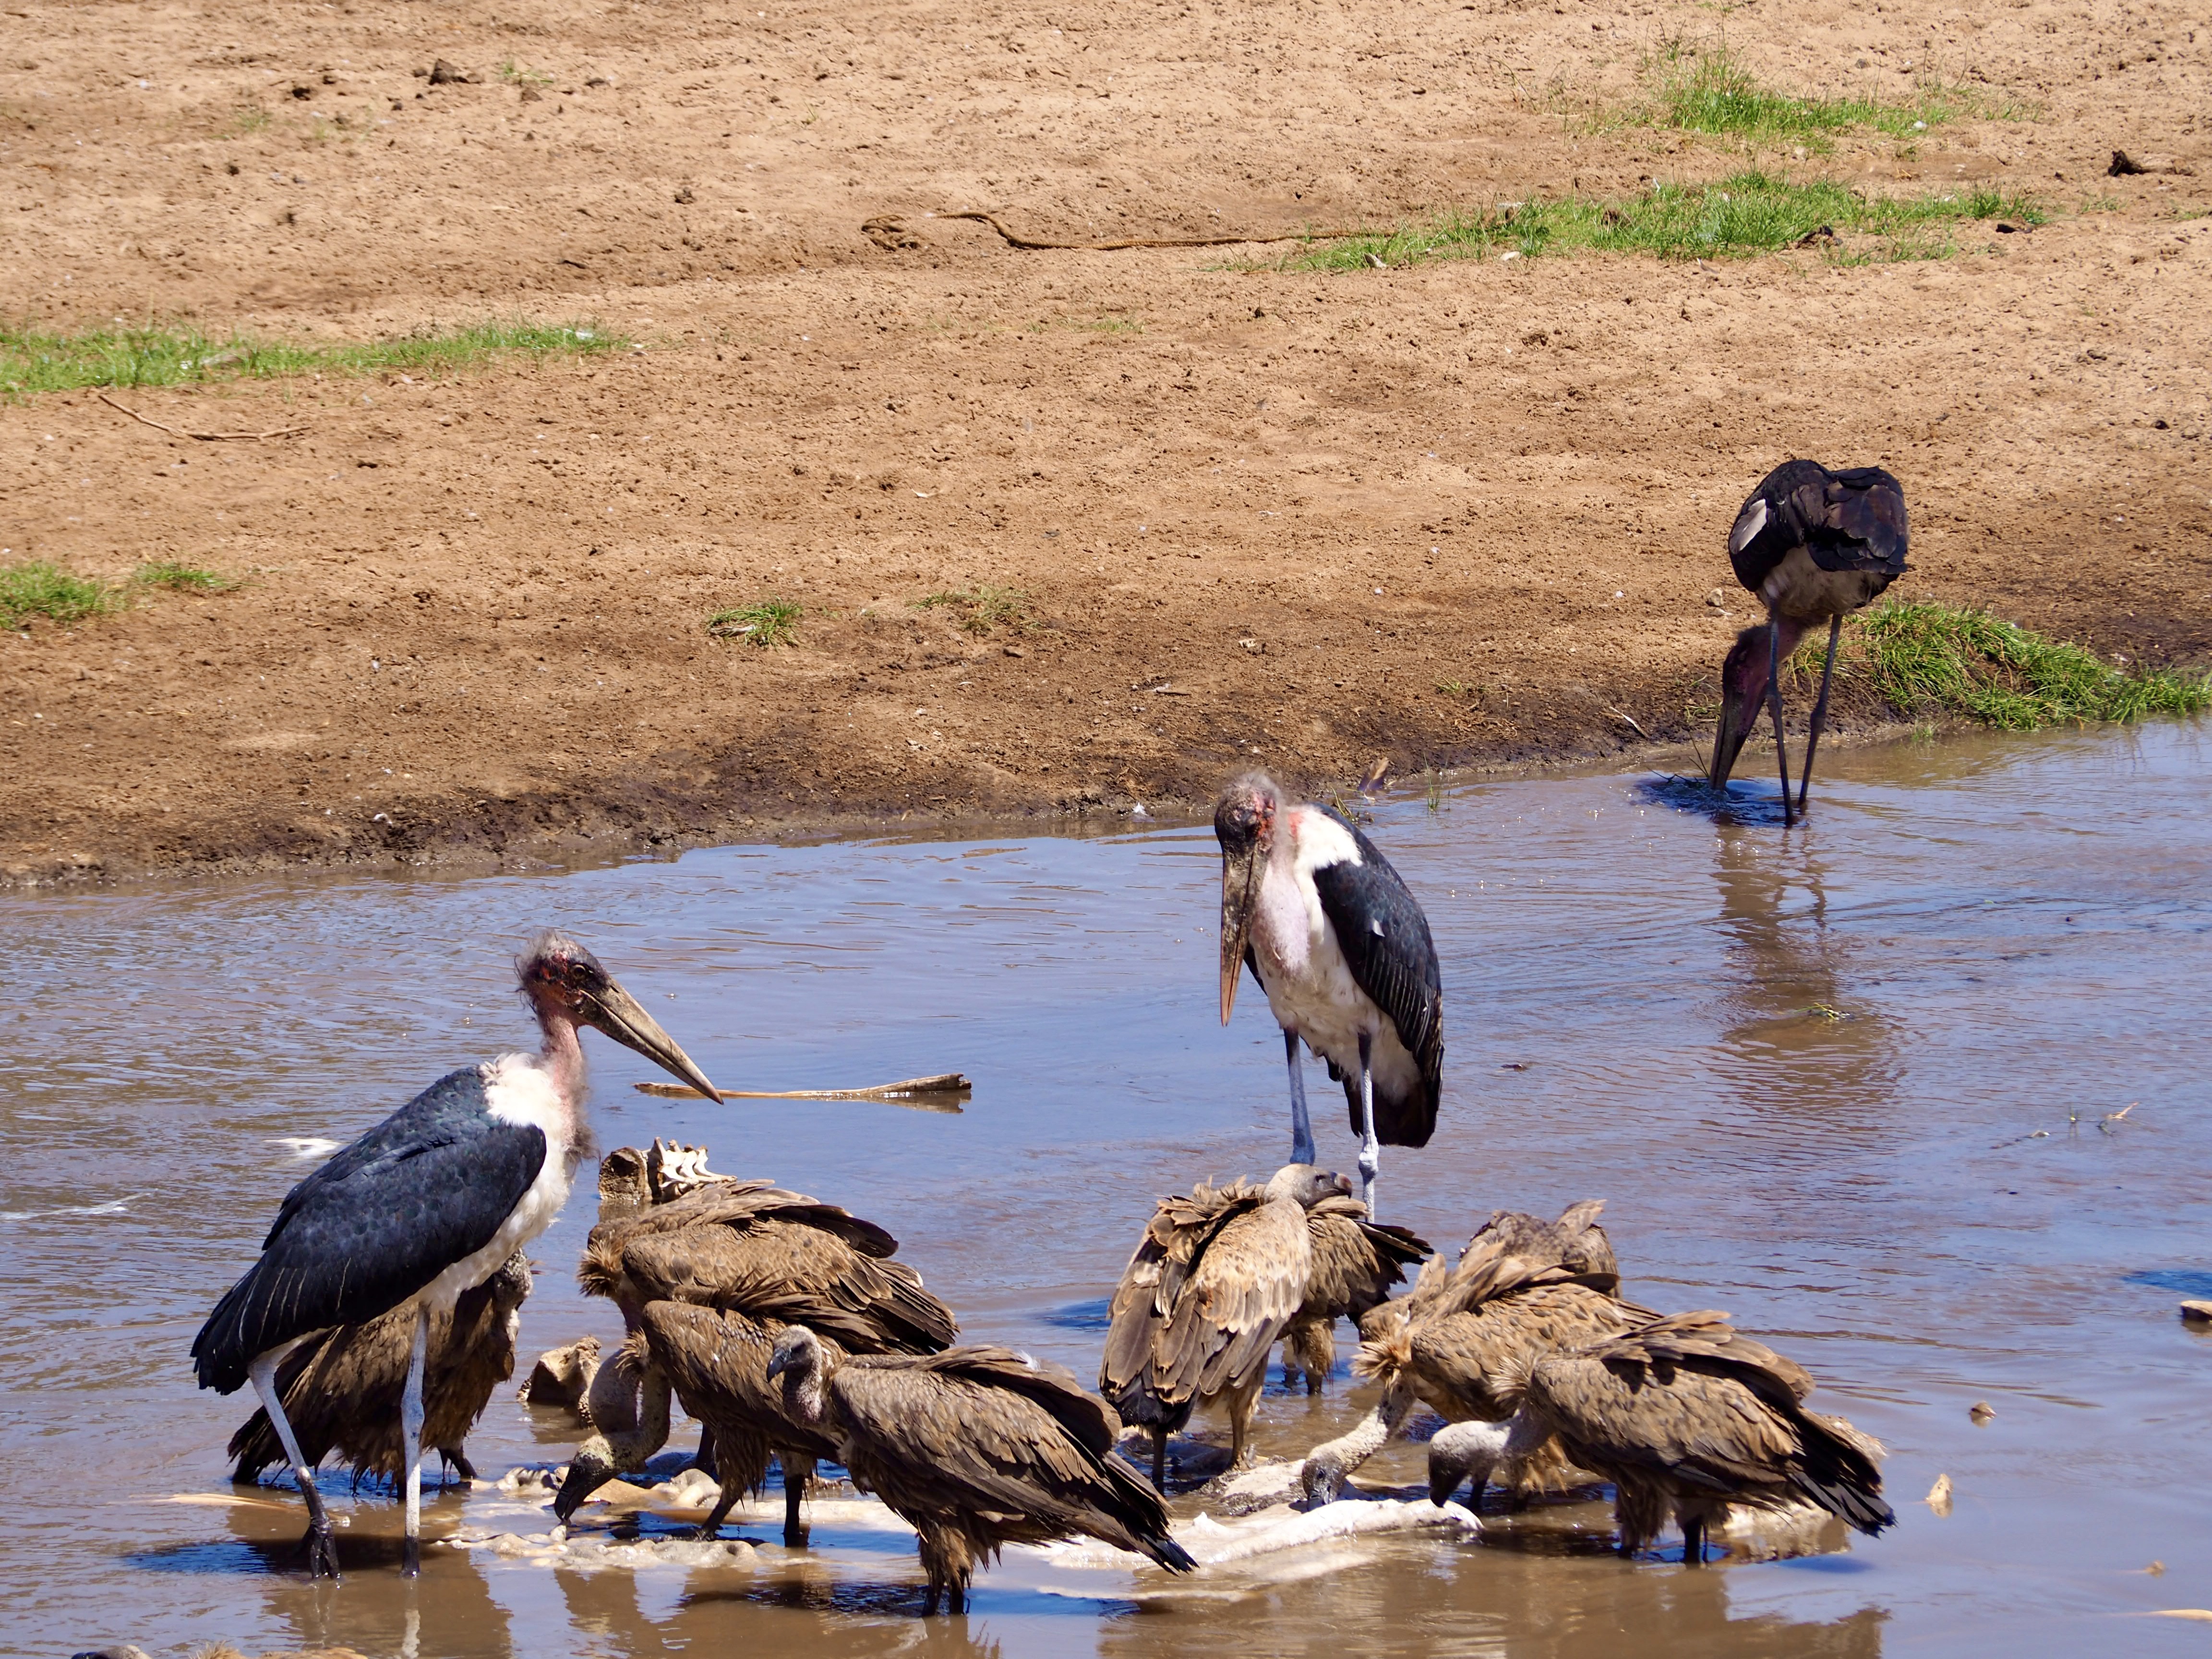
(1343, 952)
(428, 1204)
(1815, 545)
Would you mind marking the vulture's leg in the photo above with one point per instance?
(956, 1595)
(1820, 712)
(411, 1444)
(322, 1554)
(1370, 1150)
(711, 1528)
(1693, 1541)
(703, 1459)
(1159, 1461)
(1242, 1404)
(798, 1471)
(1301, 1141)
(457, 1458)
(1774, 702)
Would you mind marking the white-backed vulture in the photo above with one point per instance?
(1214, 1283)
(341, 1387)
(975, 1448)
(1522, 1286)
(1355, 1263)
(716, 1364)
(750, 1245)
(768, 1258)
(1686, 1415)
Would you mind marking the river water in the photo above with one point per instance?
(1854, 1084)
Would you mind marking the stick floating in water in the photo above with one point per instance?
(928, 1094)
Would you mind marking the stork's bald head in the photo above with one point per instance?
(1244, 821)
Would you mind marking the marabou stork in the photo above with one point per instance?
(975, 1448)
(1815, 545)
(427, 1205)
(1343, 953)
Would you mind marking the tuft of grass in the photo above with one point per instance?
(1709, 90)
(245, 119)
(769, 622)
(980, 609)
(1746, 214)
(515, 75)
(37, 588)
(1921, 656)
(33, 360)
(179, 578)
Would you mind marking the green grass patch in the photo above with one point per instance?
(179, 578)
(1921, 657)
(36, 588)
(34, 359)
(1748, 214)
(1708, 90)
(981, 609)
(769, 622)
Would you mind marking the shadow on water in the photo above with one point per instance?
(1734, 803)
(1095, 1315)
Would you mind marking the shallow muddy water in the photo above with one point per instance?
(1850, 1084)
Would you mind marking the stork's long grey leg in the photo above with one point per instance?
(1820, 711)
(411, 1444)
(322, 1554)
(1774, 702)
(1301, 1141)
(1370, 1150)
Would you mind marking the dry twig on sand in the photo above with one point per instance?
(1032, 244)
(203, 437)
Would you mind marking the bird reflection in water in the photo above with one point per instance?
(1794, 1021)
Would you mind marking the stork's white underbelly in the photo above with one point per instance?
(1311, 992)
(517, 1091)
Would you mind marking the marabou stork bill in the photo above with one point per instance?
(1343, 952)
(427, 1205)
(1815, 545)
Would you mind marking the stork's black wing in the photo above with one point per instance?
(1385, 940)
(1852, 519)
(427, 1186)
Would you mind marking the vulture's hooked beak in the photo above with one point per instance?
(614, 1011)
(1240, 893)
(587, 1472)
(1743, 688)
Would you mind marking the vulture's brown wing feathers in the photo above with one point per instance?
(1512, 1251)
(1355, 1261)
(985, 1438)
(1689, 1399)
(341, 1387)
(797, 1273)
(1475, 1365)
(1178, 1240)
(717, 1363)
(1241, 1293)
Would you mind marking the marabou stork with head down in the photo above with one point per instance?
(1343, 952)
(427, 1205)
(1815, 545)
